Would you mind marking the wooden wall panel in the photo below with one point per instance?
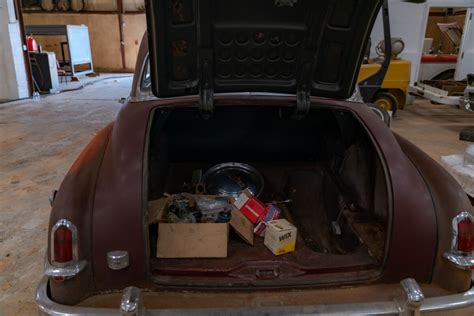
(432, 31)
(134, 29)
(103, 33)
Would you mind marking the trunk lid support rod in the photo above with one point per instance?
(206, 89)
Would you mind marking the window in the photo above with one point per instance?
(146, 77)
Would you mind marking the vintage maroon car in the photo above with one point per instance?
(382, 228)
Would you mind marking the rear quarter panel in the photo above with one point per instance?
(449, 200)
(118, 221)
(412, 234)
(74, 202)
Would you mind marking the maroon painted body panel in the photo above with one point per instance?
(116, 221)
(75, 201)
(412, 241)
(448, 200)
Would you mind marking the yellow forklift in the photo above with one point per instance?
(385, 80)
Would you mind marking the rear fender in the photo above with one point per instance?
(449, 200)
(74, 202)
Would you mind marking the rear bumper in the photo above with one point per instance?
(455, 305)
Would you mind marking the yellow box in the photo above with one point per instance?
(280, 236)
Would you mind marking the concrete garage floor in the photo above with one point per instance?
(40, 140)
(433, 127)
(38, 143)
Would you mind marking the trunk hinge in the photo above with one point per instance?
(303, 93)
(206, 89)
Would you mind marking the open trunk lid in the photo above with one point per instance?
(276, 46)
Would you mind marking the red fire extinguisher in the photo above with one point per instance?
(31, 44)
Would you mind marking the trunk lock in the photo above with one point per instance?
(267, 274)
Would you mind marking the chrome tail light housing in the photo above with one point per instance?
(462, 246)
(64, 256)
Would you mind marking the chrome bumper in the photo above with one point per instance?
(452, 305)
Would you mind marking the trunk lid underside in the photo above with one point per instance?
(279, 46)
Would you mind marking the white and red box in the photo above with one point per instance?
(250, 206)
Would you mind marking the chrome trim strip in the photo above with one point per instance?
(456, 304)
(47, 307)
(451, 302)
(148, 96)
(460, 261)
(52, 197)
(66, 271)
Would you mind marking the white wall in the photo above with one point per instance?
(465, 64)
(13, 80)
(408, 21)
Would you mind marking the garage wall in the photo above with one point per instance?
(439, 40)
(409, 21)
(134, 29)
(103, 33)
(13, 80)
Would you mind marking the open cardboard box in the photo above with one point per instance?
(197, 240)
(184, 240)
(242, 226)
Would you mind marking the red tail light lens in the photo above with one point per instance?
(465, 238)
(62, 244)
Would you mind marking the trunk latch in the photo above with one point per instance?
(267, 274)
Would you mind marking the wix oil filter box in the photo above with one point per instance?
(280, 236)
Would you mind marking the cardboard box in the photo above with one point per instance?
(280, 236)
(192, 240)
(252, 208)
(156, 210)
(242, 226)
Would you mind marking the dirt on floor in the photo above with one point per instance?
(40, 140)
(38, 143)
(434, 128)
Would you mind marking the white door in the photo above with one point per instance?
(465, 63)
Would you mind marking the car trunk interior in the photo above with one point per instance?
(325, 164)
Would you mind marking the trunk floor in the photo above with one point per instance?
(244, 260)
(242, 256)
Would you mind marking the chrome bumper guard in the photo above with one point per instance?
(415, 304)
